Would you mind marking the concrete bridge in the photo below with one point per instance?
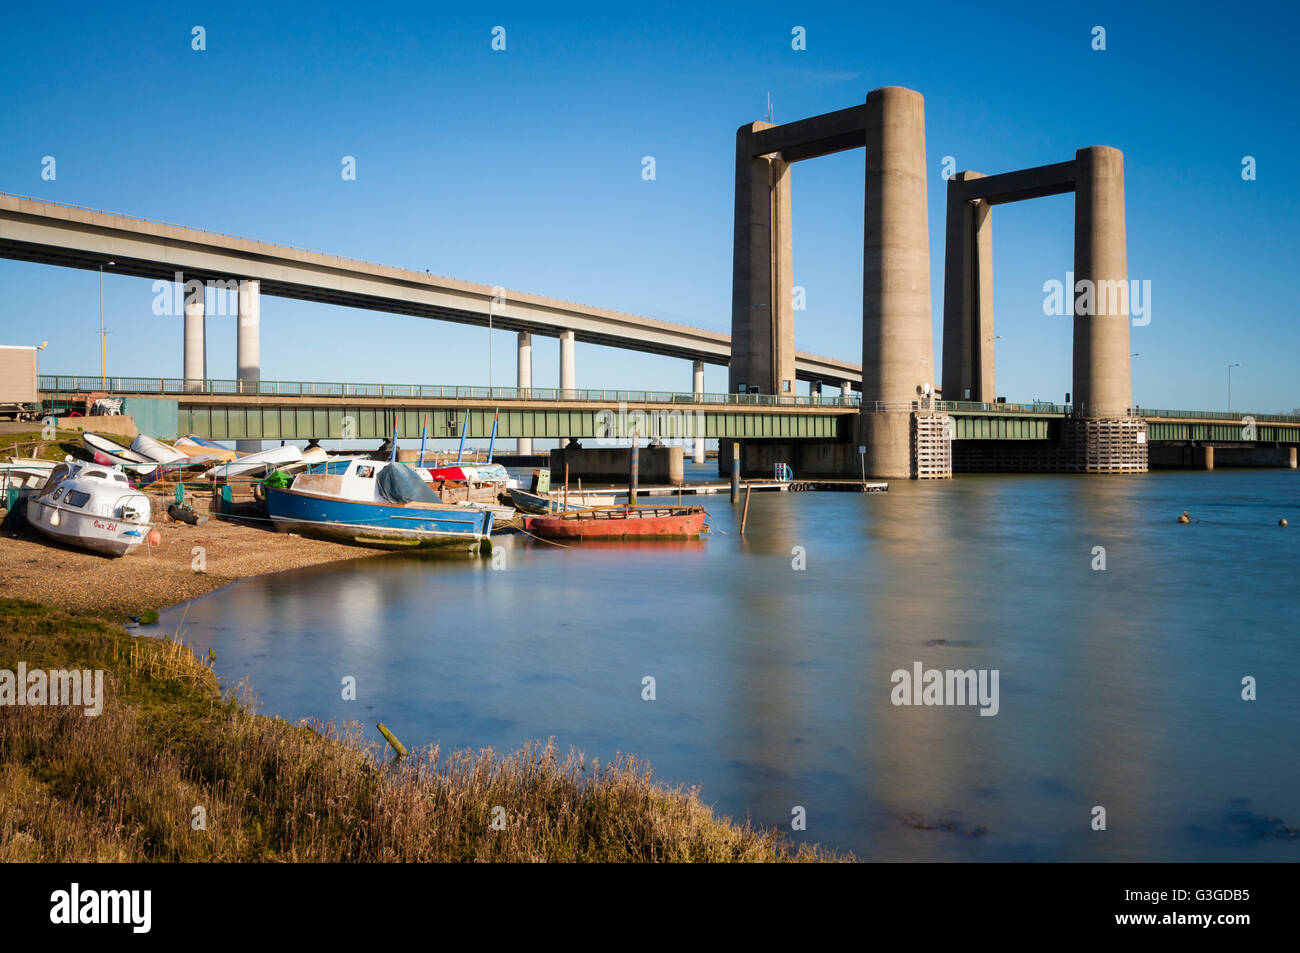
(54, 234)
(815, 434)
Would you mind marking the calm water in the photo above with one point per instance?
(1119, 688)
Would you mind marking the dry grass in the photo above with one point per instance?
(124, 785)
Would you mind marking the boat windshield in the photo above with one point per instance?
(56, 476)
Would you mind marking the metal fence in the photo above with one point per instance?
(167, 386)
(164, 386)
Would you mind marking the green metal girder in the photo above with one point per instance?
(1000, 427)
(233, 422)
(1233, 431)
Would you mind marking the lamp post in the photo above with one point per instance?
(1230, 367)
(103, 338)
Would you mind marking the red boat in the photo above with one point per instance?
(617, 522)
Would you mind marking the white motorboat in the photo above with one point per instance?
(91, 506)
(282, 457)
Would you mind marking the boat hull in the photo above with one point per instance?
(621, 523)
(102, 534)
(377, 524)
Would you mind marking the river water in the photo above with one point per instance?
(1119, 688)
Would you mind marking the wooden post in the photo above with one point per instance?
(735, 471)
(744, 516)
(566, 486)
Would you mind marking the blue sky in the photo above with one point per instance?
(523, 168)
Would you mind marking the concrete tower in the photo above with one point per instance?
(897, 342)
(1103, 385)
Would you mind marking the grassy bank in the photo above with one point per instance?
(124, 785)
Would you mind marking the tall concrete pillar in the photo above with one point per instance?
(762, 291)
(196, 349)
(846, 388)
(567, 375)
(968, 296)
(697, 388)
(524, 381)
(248, 347)
(897, 343)
(1103, 385)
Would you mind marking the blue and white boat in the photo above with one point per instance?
(375, 503)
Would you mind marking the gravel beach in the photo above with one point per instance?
(35, 567)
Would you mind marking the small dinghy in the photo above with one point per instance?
(116, 452)
(375, 503)
(281, 457)
(91, 506)
(202, 450)
(157, 451)
(621, 522)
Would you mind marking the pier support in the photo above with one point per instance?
(1102, 379)
(846, 388)
(567, 376)
(195, 352)
(897, 343)
(968, 295)
(697, 388)
(524, 381)
(762, 296)
(248, 348)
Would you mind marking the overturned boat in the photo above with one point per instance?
(91, 506)
(375, 503)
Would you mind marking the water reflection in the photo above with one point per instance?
(1118, 688)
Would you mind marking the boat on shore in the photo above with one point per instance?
(375, 503)
(281, 457)
(91, 506)
(622, 522)
(157, 451)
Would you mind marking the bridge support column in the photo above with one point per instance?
(1209, 458)
(1103, 385)
(196, 351)
(524, 381)
(697, 388)
(248, 347)
(762, 294)
(968, 296)
(897, 343)
(567, 375)
(1291, 460)
(846, 388)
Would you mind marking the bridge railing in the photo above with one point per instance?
(1235, 417)
(165, 386)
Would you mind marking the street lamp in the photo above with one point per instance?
(103, 338)
(1230, 367)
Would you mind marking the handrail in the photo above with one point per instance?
(93, 383)
(79, 384)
